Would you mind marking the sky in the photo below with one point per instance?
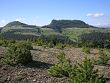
(41, 12)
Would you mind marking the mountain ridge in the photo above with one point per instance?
(18, 23)
(55, 24)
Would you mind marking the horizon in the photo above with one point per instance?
(40, 12)
(40, 25)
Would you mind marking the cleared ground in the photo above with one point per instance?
(43, 58)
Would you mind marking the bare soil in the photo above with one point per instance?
(43, 58)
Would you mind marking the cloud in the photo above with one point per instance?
(95, 14)
(2, 23)
(89, 14)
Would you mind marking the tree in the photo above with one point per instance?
(16, 54)
(103, 58)
(85, 73)
(62, 68)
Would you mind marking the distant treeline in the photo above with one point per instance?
(9, 35)
(92, 39)
(95, 39)
(42, 40)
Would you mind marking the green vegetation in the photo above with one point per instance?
(25, 44)
(85, 73)
(96, 39)
(58, 41)
(48, 31)
(17, 30)
(104, 57)
(73, 32)
(86, 50)
(60, 46)
(55, 24)
(6, 43)
(59, 25)
(61, 68)
(18, 38)
(17, 53)
(79, 73)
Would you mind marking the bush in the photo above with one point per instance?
(86, 50)
(50, 45)
(39, 42)
(85, 73)
(62, 68)
(55, 71)
(25, 44)
(79, 73)
(6, 43)
(103, 58)
(60, 46)
(16, 54)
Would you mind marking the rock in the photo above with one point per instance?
(5, 67)
(34, 80)
(8, 78)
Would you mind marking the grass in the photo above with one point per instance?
(74, 33)
(48, 31)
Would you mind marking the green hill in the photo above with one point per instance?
(67, 24)
(70, 28)
(18, 29)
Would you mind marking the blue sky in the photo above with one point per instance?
(41, 12)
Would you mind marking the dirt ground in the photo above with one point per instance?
(43, 58)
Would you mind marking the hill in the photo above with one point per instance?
(18, 29)
(57, 24)
(70, 28)
(18, 25)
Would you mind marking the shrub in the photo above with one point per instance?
(103, 58)
(6, 43)
(16, 54)
(60, 46)
(3, 43)
(86, 50)
(85, 73)
(55, 71)
(79, 73)
(62, 68)
(39, 42)
(25, 44)
(50, 45)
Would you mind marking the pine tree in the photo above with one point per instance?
(103, 58)
(84, 73)
(62, 68)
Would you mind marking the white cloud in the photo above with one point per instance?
(95, 14)
(98, 14)
(2, 23)
(89, 14)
